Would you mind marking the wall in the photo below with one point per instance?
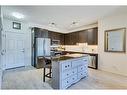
(7, 26)
(0, 47)
(82, 48)
(112, 62)
(83, 27)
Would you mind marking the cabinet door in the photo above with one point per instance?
(50, 34)
(82, 74)
(37, 33)
(44, 33)
(95, 36)
(66, 83)
(83, 36)
(55, 36)
(71, 38)
(65, 65)
(67, 39)
(92, 36)
(74, 38)
(62, 39)
(40, 33)
(74, 78)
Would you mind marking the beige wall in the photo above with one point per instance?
(112, 62)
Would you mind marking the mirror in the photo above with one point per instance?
(115, 40)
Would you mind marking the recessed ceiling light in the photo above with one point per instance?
(18, 15)
(74, 22)
(53, 24)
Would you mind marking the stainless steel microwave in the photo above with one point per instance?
(55, 42)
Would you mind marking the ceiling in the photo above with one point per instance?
(64, 18)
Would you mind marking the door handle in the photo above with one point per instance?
(23, 50)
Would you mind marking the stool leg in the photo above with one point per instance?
(44, 74)
(50, 71)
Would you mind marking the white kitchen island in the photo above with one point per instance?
(68, 69)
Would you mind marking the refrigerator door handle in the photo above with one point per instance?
(44, 46)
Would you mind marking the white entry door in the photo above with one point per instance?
(14, 50)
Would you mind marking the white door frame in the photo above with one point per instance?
(4, 47)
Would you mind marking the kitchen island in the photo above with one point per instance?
(68, 69)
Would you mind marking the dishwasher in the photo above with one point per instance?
(92, 62)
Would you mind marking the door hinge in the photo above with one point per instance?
(4, 35)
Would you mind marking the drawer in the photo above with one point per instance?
(66, 74)
(65, 65)
(82, 74)
(82, 68)
(85, 59)
(76, 63)
(66, 83)
(74, 71)
(74, 78)
(79, 62)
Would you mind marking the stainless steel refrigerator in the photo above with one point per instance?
(41, 48)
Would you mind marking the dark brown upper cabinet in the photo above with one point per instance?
(83, 36)
(74, 38)
(67, 39)
(92, 36)
(56, 36)
(71, 38)
(40, 33)
(89, 36)
(62, 42)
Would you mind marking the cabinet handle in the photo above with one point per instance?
(65, 66)
(67, 81)
(68, 65)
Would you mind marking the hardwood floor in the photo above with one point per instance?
(101, 80)
(31, 78)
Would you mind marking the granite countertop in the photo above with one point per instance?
(82, 52)
(68, 57)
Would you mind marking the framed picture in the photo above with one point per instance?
(16, 25)
(115, 40)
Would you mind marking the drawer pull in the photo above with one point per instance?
(68, 65)
(85, 60)
(65, 66)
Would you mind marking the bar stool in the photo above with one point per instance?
(47, 65)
